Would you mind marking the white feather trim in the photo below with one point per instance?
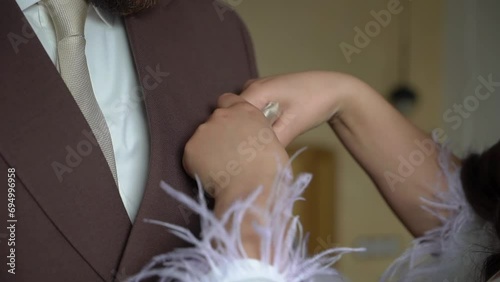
(453, 252)
(219, 254)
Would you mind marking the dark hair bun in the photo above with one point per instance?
(480, 177)
(481, 181)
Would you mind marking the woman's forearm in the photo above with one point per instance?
(400, 158)
(256, 174)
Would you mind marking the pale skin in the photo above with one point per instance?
(214, 145)
(369, 127)
(373, 132)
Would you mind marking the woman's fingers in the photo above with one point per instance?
(227, 100)
(249, 82)
(258, 96)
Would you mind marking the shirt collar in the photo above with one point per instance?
(24, 4)
(105, 16)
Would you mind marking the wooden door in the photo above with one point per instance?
(318, 210)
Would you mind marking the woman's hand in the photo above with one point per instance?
(233, 153)
(306, 99)
(235, 147)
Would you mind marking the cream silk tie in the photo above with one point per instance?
(68, 17)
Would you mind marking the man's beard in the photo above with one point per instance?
(123, 7)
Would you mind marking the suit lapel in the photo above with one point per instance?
(204, 57)
(160, 71)
(46, 138)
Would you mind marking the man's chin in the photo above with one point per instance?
(123, 7)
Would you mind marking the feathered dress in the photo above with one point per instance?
(453, 252)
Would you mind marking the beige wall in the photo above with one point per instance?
(472, 37)
(297, 35)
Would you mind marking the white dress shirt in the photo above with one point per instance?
(116, 88)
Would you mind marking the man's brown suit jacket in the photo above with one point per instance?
(76, 228)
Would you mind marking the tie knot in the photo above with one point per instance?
(68, 16)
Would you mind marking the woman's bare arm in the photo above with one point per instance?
(400, 158)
